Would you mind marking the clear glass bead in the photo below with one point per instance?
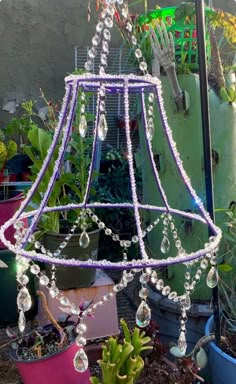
(81, 328)
(151, 97)
(115, 237)
(110, 10)
(44, 280)
(105, 46)
(143, 293)
(204, 264)
(107, 34)
(144, 278)
(166, 290)
(103, 59)
(96, 40)
(80, 341)
(99, 26)
(127, 243)
(54, 291)
(37, 245)
(129, 26)
(34, 269)
(124, 13)
(138, 53)
(135, 239)
(102, 106)
(159, 284)
(23, 279)
(108, 22)
(172, 295)
(108, 231)
(133, 40)
(88, 65)
(187, 276)
(64, 300)
(92, 53)
(143, 66)
(154, 277)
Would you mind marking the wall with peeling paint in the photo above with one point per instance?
(38, 39)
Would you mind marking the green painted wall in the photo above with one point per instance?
(187, 133)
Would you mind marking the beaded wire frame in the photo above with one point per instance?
(150, 92)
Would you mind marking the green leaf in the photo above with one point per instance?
(225, 267)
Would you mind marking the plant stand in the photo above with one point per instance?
(101, 326)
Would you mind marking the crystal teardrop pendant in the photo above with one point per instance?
(102, 127)
(83, 126)
(150, 129)
(21, 321)
(212, 277)
(143, 315)
(80, 361)
(182, 344)
(84, 240)
(165, 245)
(24, 300)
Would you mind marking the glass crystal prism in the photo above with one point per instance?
(143, 315)
(80, 361)
(182, 344)
(84, 240)
(21, 321)
(83, 126)
(212, 277)
(24, 300)
(102, 127)
(165, 245)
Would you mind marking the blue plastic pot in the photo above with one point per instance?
(223, 366)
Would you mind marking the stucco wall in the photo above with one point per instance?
(38, 39)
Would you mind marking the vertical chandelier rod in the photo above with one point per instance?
(206, 132)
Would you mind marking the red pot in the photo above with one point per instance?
(7, 210)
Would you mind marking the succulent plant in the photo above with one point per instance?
(122, 362)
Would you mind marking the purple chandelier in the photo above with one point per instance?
(149, 90)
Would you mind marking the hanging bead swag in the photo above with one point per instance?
(101, 86)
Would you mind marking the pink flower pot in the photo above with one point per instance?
(7, 210)
(54, 369)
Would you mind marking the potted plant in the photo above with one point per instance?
(113, 186)
(68, 188)
(46, 353)
(122, 361)
(10, 200)
(223, 357)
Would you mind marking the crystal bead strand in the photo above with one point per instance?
(213, 276)
(84, 239)
(116, 237)
(143, 314)
(24, 301)
(165, 243)
(83, 127)
(96, 40)
(182, 343)
(102, 122)
(108, 24)
(142, 66)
